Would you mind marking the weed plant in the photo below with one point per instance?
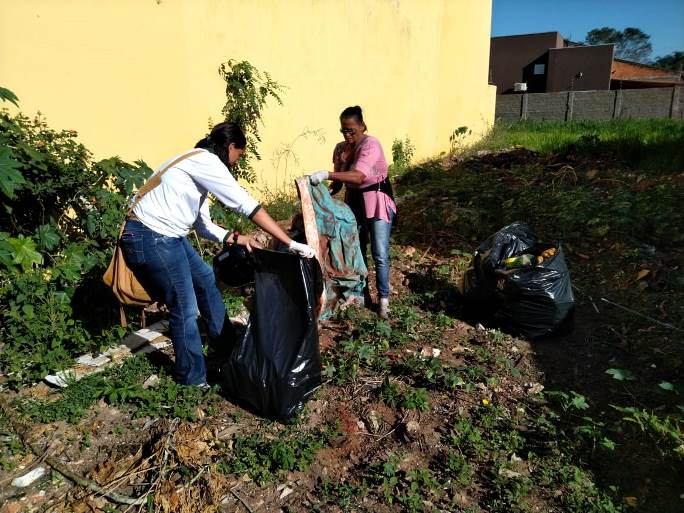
(122, 386)
(265, 460)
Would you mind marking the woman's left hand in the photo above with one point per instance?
(248, 242)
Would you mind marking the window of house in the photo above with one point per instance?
(539, 69)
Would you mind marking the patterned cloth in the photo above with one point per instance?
(344, 271)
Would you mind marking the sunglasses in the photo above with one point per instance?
(348, 131)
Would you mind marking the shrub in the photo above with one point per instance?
(63, 214)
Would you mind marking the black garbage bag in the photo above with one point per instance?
(234, 266)
(276, 366)
(480, 279)
(533, 300)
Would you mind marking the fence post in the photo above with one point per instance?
(570, 106)
(674, 103)
(617, 104)
(523, 107)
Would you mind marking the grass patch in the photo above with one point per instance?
(267, 459)
(122, 386)
(656, 145)
(579, 190)
(611, 192)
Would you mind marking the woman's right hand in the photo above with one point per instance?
(318, 177)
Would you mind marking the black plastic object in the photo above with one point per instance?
(277, 366)
(234, 266)
(534, 301)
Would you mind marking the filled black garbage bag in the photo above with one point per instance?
(276, 366)
(531, 300)
(537, 301)
(480, 279)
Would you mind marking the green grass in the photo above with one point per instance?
(266, 460)
(556, 437)
(592, 180)
(611, 192)
(650, 144)
(121, 385)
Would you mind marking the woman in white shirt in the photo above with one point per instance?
(156, 248)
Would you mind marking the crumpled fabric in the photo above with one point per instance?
(344, 271)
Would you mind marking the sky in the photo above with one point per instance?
(663, 20)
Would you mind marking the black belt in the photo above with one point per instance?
(384, 186)
(355, 198)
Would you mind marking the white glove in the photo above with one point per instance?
(318, 177)
(301, 249)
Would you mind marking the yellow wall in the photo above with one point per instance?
(138, 78)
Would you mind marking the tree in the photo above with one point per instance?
(673, 62)
(632, 43)
(247, 90)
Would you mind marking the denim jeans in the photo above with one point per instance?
(174, 274)
(378, 231)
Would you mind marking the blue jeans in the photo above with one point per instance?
(174, 274)
(378, 231)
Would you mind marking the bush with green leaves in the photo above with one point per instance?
(39, 331)
(402, 153)
(61, 213)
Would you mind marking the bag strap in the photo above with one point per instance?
(152, 182)
(155, 179)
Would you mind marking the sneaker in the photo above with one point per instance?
(384, 307)
(204, 386)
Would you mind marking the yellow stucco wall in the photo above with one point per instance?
(138, 78)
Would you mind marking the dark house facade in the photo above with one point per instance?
(546, 62)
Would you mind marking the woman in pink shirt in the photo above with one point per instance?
(359, 163)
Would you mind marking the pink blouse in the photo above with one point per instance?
(369, 159)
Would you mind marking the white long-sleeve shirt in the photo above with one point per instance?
(179, 202)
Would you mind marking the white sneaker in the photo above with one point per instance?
(384, 307)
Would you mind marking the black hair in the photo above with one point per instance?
(356, 113)
(221, 136)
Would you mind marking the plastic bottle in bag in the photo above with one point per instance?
(519, 261)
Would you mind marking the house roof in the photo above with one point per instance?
(642, 65)
(625, 70)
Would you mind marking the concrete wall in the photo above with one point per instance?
(138, 78)
(595, 105)
(649, 103)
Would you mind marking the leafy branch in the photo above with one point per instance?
(247, 90)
